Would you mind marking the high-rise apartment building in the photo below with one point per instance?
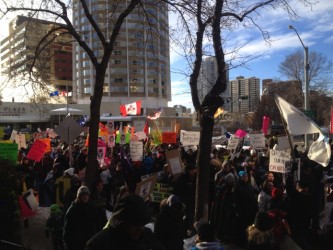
(53, 66)
(245, 94)
(139, 68)
(207, 78)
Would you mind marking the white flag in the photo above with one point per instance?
(298, 124)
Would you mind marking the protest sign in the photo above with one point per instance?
(141, 135)
(123, 138)
(174, 161)
(283, 143)
(161, 191)
(47, 141)
(20, 140)
(169, 137)
(110, 126)
(277, 161)
(2, 132)
(51, 133)
(233, 143)
(101, 152)
(28, 204)
(111, 141)
(139, 124)
(257, 141)
(145, 187)
(9, 151)
(188, 138)
(69, 129)
(63, 184)
(12, 136)
(136, 150)
(37, 150)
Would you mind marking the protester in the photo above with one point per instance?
(79, 224)
(54, 225)
(265, 197)
(126, 228)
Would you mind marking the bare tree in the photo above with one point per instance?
(60, 11)
(206, 25)
(320, 70)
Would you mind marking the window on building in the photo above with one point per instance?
(117, 61)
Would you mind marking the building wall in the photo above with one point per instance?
(245, 94)
(139, 68)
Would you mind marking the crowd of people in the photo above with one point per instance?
(248, 205)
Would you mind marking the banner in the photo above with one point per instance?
(257, 141)
(136, 150)
(169, 137)
(188, 138)
(174, 161)
(278, 160)
(21, 141)
(37, 150)
(9, 151)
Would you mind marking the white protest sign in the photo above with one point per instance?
(188, 138)
(145, 187)
(283, 143)
(257, 141)
(141, 135)
(111, 141)
(233, 143)
(12, 136)
(277, 161)
(21, 141)
(136, 149)
(174, 161)
(101, 152)
(139, 124)
(110, 126)
(51, 133)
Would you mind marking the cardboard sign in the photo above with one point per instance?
(111, 141)
(277, 161)
(69, 129)
(233, 143)
(174, 161)
(146, 187)
(136, 150)
(47, 141)
(169, 137)
(188, 138)
(141, 135)
(257, 141)
(9, 151)
(20, 140)
(37, 150)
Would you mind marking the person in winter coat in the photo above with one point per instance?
(264, 196)
(169, 224)
(205, 239)
(246, 205)
(126, 228)
(79, 224)
(54, 225)
(260, 234)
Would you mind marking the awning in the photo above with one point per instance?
(23, 119)
(64, 111)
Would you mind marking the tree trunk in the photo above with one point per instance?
(95, 105)
(203, 161)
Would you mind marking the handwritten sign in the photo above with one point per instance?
(136, 150)
(257, 141)
(9, 151)
(21, 141)
(47, 141)
(169, 137)
(146, 187)
(37, 150)
(188, 138)
(174, 161)
(278, 160)
(139, 125)
(141, 135)
(233, 143)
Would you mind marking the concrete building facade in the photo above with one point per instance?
(245, 94)
(139, 68)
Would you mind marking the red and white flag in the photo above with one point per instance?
(131, 109)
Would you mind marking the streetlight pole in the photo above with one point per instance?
(306, 80)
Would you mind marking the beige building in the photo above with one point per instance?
(139, 68)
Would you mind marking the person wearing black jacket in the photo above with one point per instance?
(126, 228)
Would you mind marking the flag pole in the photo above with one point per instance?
(284, 122)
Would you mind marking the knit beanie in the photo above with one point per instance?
(82, 190)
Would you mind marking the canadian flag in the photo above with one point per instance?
(131, 109)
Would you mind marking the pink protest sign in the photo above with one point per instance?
(240, 133)
(37, 151)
